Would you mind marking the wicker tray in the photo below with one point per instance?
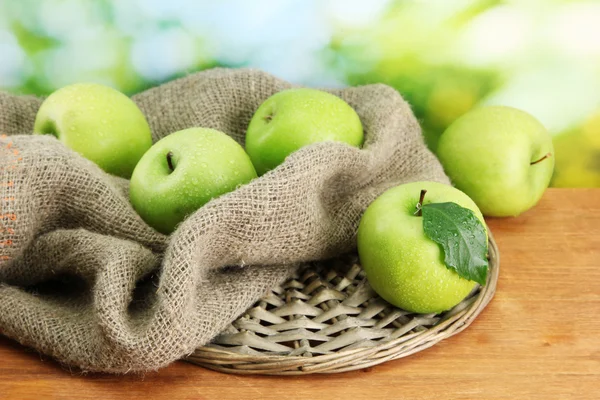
(327, 319)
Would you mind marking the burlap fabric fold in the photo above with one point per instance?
(86, 281)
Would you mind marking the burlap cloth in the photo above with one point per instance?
(86, 281)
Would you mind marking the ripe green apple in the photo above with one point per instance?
(402, 264)
(294, 118)
(183, 171)
(98, 122)
(501, 157)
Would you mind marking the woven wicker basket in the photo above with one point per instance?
(327, 319)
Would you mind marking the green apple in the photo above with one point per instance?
(402, 264)
(501, 157)
(98, 122)
(294, 118)
(185, 170)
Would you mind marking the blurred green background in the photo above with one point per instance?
(445, 57)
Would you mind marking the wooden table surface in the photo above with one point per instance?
(539, 338)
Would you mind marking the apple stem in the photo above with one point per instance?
(419, 211)
(170, 161)
(542, 159)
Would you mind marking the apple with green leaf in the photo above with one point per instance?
(501, 157)
(98, 122)
(294, 118)
(184, 171)
(423, 246)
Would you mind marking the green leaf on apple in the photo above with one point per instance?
(462, 237)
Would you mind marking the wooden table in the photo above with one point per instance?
(538, 339)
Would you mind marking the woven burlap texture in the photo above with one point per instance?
(86, 281)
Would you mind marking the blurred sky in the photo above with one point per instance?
(445, 57)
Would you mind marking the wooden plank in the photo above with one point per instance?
(538, 339)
